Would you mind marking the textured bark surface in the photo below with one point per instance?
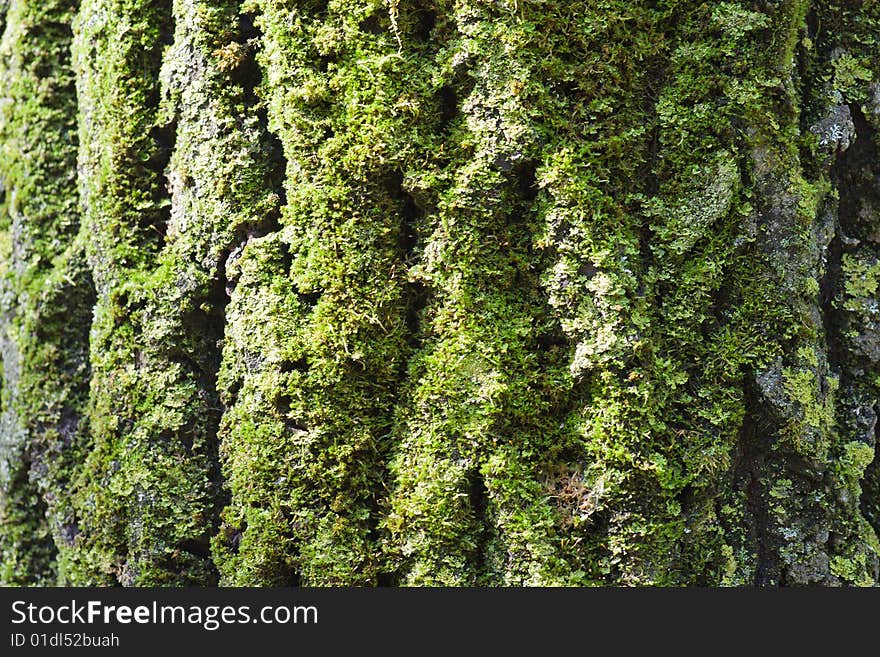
(429, 292)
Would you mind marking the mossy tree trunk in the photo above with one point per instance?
(484, 292)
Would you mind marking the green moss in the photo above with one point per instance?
(860, 277)
(681, 227)
(311, 392)
(853, 571)
(149, 491)
(444, 293)
(801, 386)
(856, 457)
(809, 197)
(46, 291)
(852, 74)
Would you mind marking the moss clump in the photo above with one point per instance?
(45, 289)
(175, 172)
(318, 330)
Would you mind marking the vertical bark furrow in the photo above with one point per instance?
(806, 476)
(847, 128)
(703, 337)
(317, 325)
(173, 171)
(469, 505)
(853, 330)
(121, 495)
(46, 292)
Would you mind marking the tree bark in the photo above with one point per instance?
(422, 292)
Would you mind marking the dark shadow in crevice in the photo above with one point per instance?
(374, 24)
(526, 177)
(424, 24)
(449, 99)
(749, 472)
(478, 498)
